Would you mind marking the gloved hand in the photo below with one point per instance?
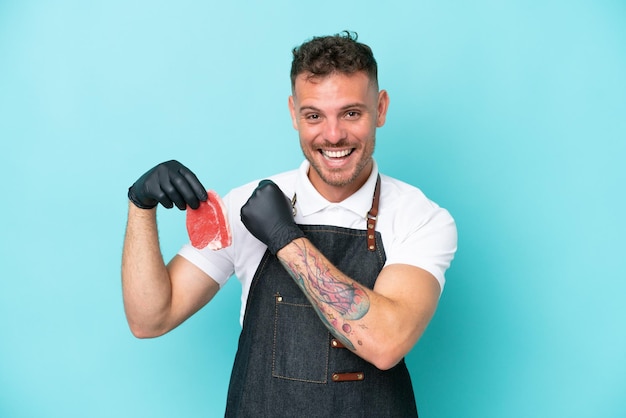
(268, 216)
(168, 183)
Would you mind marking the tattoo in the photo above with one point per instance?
(334, 299)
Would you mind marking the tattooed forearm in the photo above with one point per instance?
(347, 299)
(335, 299)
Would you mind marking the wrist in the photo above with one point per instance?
(284, 236)
(298, 242)
(138, 203)
(135, 211)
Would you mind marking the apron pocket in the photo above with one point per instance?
(299, 352)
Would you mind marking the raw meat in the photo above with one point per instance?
(208, 226)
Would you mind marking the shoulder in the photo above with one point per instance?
(416, 230)
(407, 215)
(400, 197)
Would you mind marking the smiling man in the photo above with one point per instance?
(341, 266)
(336, 116)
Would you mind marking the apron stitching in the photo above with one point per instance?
(277, 301)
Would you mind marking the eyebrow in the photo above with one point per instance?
(355, 105)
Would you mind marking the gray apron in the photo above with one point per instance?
(289, 365)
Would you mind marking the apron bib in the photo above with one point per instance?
(289, 365)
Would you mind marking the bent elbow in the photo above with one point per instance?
(390, 355)
(386, 362)
(143, 333)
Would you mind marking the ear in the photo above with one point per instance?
(383, 105)
(292, 111)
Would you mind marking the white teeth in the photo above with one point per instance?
(336, 154)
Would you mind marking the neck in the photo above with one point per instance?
(337, 193)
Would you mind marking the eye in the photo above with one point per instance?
(353, 114)
(312, 117)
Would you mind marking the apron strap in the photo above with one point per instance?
(372, 217)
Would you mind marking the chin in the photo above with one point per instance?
(338, 179)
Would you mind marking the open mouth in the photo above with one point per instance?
(336, 154)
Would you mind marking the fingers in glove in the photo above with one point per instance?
(163, 190)
(196, 192)
(169, 183)
(172, 190)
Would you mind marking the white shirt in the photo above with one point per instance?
(414, 230)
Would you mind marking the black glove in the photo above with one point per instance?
(169, 182)
(268, 216)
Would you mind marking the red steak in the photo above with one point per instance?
(208, 226)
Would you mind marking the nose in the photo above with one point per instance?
(334, 131)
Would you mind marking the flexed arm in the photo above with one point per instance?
(157, 298)
(379, 325)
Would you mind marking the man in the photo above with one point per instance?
(341, 267)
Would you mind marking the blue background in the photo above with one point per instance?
(511, 114)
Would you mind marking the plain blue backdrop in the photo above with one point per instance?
(511, 114)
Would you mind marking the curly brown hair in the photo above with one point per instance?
(340, 53)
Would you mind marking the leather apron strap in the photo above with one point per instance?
(372, 217)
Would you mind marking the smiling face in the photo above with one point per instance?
(336, 117)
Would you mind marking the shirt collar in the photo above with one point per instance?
(309, 200)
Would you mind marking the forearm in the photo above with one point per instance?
(366, 322)
(379, 325)
(146, 286)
